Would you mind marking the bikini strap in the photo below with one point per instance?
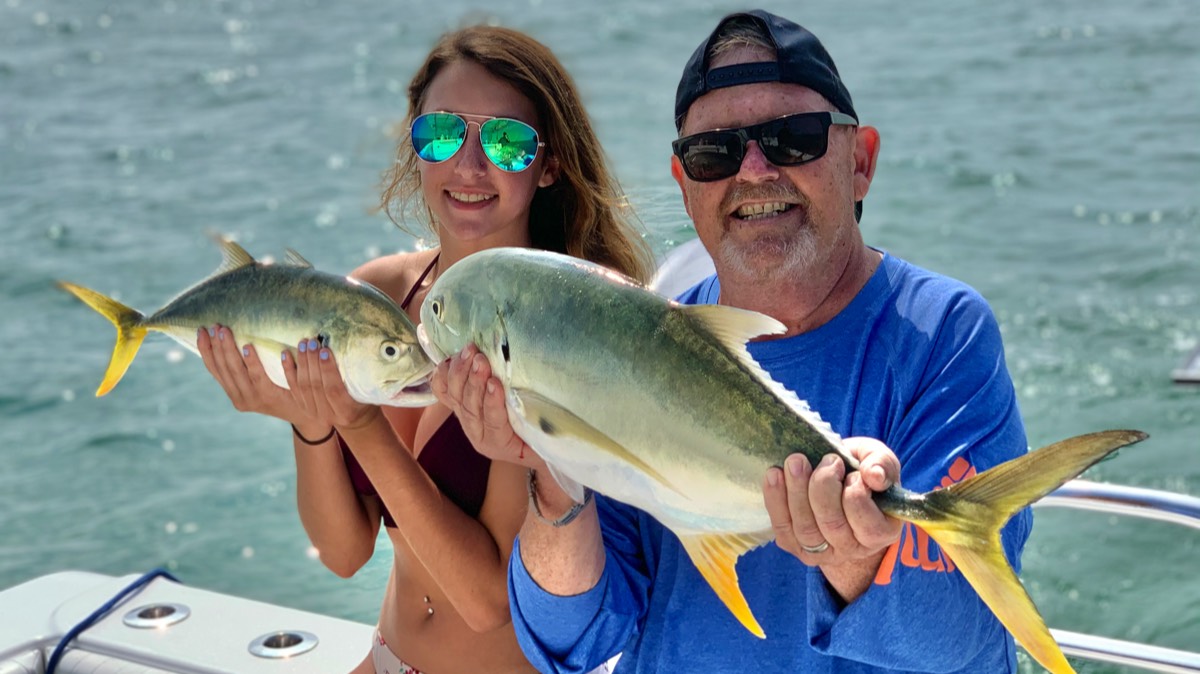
(417, 285)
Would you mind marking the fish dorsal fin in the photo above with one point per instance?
(730, 324)
(232, 254)
(734, 327)
(715, 556)
(294, 259)
(552, 420)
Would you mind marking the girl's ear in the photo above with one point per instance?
(550, 172)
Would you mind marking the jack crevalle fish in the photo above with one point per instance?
(659, 405)
(273, 307)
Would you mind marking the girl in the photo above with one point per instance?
(500, 153)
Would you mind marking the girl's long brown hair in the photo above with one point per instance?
(583, 213)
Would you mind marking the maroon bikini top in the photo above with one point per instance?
(448, 458)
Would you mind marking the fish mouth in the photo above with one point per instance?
(435, 354)
(414, 394)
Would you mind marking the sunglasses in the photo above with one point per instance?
(510, 144)
(786, 141)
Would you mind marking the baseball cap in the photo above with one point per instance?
(800, 58)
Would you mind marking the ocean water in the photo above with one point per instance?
(1046, 153)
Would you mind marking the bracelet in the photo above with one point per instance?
(568, 516)
(313, 443)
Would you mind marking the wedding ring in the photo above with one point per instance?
(816, 549)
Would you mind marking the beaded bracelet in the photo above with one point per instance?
(313, 443)
(568, 516)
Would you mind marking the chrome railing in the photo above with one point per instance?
(1138, 502)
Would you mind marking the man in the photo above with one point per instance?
(773, 168)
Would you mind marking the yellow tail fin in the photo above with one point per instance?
(965, 519)
(130, 332)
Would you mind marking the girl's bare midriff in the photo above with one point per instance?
(420, 638)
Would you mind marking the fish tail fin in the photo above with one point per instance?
(965, 520)
(130, 331)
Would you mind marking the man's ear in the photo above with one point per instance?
(677, 174)
(550, 172)
(866, 156)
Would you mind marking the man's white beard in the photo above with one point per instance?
(771, 257)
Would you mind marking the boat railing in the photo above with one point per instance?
(1151, 504)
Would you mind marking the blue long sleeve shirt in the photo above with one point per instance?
(915, 360)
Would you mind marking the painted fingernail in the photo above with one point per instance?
(303, 345)
(245, 351)
(283, 356)
(312, 345)
(324, 354)
(212, 332)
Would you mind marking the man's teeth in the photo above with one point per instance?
(762, 210)
(470, 198)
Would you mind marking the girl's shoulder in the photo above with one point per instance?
(395, 274)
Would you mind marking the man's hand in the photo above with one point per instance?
(825, 517)
(464, 383)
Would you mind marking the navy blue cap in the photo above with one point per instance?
(800, 59)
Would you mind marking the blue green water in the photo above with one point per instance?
(1047, 153)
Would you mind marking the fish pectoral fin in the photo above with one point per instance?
(715, 556)
(554, 420)
(269, 352)
(571, 487)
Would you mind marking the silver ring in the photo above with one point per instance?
(816, 549)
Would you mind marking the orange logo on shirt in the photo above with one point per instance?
(915, 549)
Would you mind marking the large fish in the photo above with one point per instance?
(659, 405)
(273, 307)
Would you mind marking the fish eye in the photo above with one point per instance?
(391, 350)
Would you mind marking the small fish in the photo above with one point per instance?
(273, 307)
(660, 405)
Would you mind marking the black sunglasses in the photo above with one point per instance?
(787, 141)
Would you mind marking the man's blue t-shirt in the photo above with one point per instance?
(915, 360)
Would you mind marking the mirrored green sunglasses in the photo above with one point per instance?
(510, 144)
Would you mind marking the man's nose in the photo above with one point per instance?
(755, 165)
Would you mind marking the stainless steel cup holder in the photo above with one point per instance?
(283, 644)
(156, 615)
